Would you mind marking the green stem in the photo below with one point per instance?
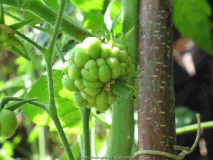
(42, 148)
(51, 110)
(85, 113)
(56, 29)
(19, 104)
(5, 100)
(62, 136)
(23, 151)
(120, 139)
(193, 128)
(93, 138)
(100, 119)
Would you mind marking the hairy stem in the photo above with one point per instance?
(56, 29)
(41, 49)
(85, 113)
(120, 139)
(62, 136)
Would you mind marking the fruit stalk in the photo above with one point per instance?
(85, 113)
(51, 110)
(120, 140)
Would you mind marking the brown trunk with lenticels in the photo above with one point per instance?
(156, 114)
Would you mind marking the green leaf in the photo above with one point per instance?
(33, 134)
(184, 116)
(123, 90)
(112, 17)
(88, 5)
(125, 36)
(36, 19)
(191, 19)
(2, 14)
(20, 25)
(68, 113)
(17, 51)
(115, 20)
(8, 148)
(93, 21)
(53, 4)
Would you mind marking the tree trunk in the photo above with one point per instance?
(156, 116)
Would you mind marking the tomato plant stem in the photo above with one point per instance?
(51, 110)
(56, 29)
(41, 49)
(85, 113)
(62, 136)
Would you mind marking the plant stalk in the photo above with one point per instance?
(56, 29)
(85, 113)
(63, 137)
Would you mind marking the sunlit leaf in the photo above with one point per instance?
(191, 19)
(93, 21)
(20, 24)
(89, 5)
(184, 116)
(69, 114)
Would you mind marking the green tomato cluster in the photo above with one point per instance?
(8, 123)
(91, 68)
(6, 38)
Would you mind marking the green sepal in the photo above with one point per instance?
(124, 37)
(20, 53)
(2, 14)
(21, 24)
(137, 73)
(115, 20)
(123, 90)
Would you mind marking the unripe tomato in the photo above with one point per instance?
(74, 71)
(93, 46)
(65, 67)
(112, 62)
(104, 73)
(115, 52)
(123, 55)
(68, 83)
(8, 123)
(81, 56)
(105, 50)
(90, 84)
(79, 100)
(102, 101)
(92, 91)
(79, 84)
(100, 62)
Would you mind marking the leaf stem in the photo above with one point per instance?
(60, 53)
(62, 136)
(56, 29)
(41, 49)
(100, 119)
(85, 113)
(51, 110)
